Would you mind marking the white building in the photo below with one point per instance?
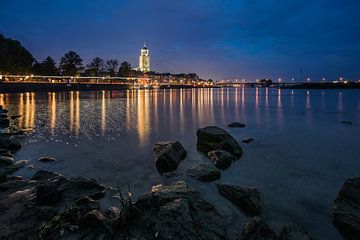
(144, 60)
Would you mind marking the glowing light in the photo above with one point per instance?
(308, 80)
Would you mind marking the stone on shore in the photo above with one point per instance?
(257, 229)
(247, 140)
(168, 155)
(247, 199)
(175, 212)
(346, 209)
(9, 143)
(222, 159)
(47, 159)
(236, 125)
(214, 138)
(204, 172)
(294, 232)
(4, 122)
(6, 160)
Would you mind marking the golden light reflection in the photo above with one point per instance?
(279, 97)
(308, 104)
(77, 113)
(29, 116)
(143, 117)
(52, 109)
(2, 102)
(71, 111)
(103, 113)
(267, 96)
(21, 109)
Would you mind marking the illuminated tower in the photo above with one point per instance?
(144, 60)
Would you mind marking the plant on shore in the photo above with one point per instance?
(128, 210)
(55, 228)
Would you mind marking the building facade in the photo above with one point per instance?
(144, 60)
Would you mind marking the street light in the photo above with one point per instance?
(341, 79)
(279, 80)
(308, 80)
(323, 79)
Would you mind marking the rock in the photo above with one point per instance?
(112, 213)
(222, 159)
(48, 194)
(87, 204)
(175, 212)
(5, 110)
(294, 232)
(15, 117)
(346, 209)
(6, 160)
(214, 138)
(236, 125)
(3, 115)
(9, 143)
(45, 176)
(47, 159)
(4, 123)
(346, 122)
(79, 187)
(168, 155)
(6, 151)
(247, 140)
(204, 172)
(21, 163)
(257, 229)
(94, 219)
(6, 169)
(7, 154)
(247, 199)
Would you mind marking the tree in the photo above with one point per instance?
(111, 66)
(49, 67)
(125, 69)
(96, 67)
(14, 58)
(71, 64)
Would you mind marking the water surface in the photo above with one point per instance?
(300, 157)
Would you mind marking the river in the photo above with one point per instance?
(300, 157)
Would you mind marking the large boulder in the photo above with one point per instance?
(204, 172)
(214, 138)
(294, 232)
(168, 155)
(175, 212)
(47, 159)
(7, 142)
(257, 229)
(346, 209)
(222, 159)
(246, 198)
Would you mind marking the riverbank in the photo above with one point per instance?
(320, 85)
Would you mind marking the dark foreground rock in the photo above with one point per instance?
(9, 143)
(294, 232)
(168, 155)
(257, 229)
(47, 159)
(175, 212)
(247, 199)
(221, 159)
(236, 125)
(247, 140)
(346, 209)
(204, 172)
(215, 138)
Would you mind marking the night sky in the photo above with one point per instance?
(215, 38)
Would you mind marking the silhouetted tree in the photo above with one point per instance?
(14, 58)
(111, 66)
(96, 67)
(125, 69)
(49, 67)
(71, 64)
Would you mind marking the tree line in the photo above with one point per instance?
(15, 59)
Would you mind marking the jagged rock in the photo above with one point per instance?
(175, 212)
(48, 194)
(346, 209)
(43, 175)
(222, 159)
(247, 199)
(47, 159)
(7, 142)
(3, 115)
(95, 221)
(6, 160)
(236, 125)
(168, 155)
(257, 229)
(113, 213)
(7, 154)
(214, 138)
(6, 151)
(11, 168)
(87, 204)
(4, 122)
(247, 140)
(294, 232)
(204, 172)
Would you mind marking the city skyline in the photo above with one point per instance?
(215, 39)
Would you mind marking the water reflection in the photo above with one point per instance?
(144, 112)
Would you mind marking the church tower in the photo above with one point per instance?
(144, 60)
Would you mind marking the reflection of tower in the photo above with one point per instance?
(144, 60)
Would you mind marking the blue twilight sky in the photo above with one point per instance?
(215, 38)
